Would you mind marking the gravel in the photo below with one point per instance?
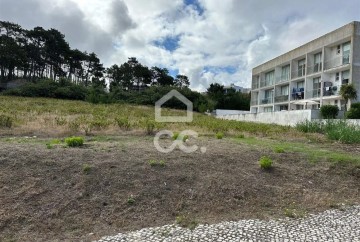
(332, 225)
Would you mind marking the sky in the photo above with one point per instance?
(207, 40)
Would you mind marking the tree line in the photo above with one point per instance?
(52, 68)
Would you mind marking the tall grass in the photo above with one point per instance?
(338, 130)
(78, 117)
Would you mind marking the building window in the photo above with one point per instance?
(284, 90)
(269, 78)
(345, 75)
(301, 67)
(316, 87)
(338, 50)
(285, 73)
(337, 76)
(346, 53)
(317, 62)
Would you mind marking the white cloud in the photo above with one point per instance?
(233, 35)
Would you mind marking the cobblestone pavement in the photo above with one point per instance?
(332, 225)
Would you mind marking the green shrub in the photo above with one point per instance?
(123, 123)
(329, 111)
(86, 168)
(265, 163)
(5, 121)
(157, 163)
(279, 150)
(131, 200)
(149, 126)
(343, 132)
(354, 111)
(152, 162)
(74, 141)
(186, 222)
(219, 135)
(175, 135)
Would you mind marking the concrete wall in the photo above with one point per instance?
(286, 118)
(282, 118)
(221, 112)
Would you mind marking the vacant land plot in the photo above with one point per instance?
(121, 183)
(117, 181)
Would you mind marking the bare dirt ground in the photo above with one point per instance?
(49, 195)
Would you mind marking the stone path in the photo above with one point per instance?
(333, 225)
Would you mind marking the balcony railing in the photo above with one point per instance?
(266, 100)
(337, 62)
(265, 83)
(297, 93)
(281, 98)
(331, 91)
(314, 68)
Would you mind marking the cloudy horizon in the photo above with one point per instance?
(203, 39)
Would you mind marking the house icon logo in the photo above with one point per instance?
(174, 119)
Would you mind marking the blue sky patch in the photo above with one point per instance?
(169, 43)
(196, 5)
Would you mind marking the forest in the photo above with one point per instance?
(51, 68)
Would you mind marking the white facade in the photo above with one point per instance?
(310, 75)
(232, 86)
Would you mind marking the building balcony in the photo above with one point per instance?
(266, 83)
(297, 94)
(283, 78)
(337, 62)
(281, 98)
(266, 100)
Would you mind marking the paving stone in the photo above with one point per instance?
(332, 225)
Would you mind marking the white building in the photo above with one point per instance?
(312, 73)
(232, 86)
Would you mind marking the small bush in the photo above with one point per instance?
(175, 135)
(162, 163)
(186, 222)
(86, 168)
(49, 146)
(354, 111)
(157, 163)
(74, 141)
(279, 150)
(152, 162)
(149, 126)
(131, 200)
(123, 123)
(329, 111)
(5, 121)
(265, 163)
(219, 135)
